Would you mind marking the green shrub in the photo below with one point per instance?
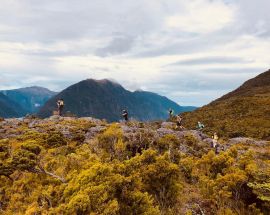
(24, 160)
(56, 139)
(32, 147)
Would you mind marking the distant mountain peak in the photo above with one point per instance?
(102, 81)
(29, 98)
(262, 81)
(35, 88)
(105, 99)
(31, 89)
(259, 81)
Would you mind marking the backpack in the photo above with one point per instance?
(61, 103)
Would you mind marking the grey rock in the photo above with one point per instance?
(54, 118)
(164, 131)
(92, 132)
(91, 119)
(167, 125)
(245, 140)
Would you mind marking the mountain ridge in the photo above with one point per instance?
(105, 99)
(260, 81)
(9, 108)
(242, 112)
(30, 99)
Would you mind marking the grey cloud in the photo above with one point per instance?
(118, 45)
(72, 51)
(26, 79)
(193, 44)
(211, 60)
(200, 87)
(253, 17)
(50, 21)
(132, 29)
(249, 72)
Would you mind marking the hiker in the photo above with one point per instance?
(200, 126)
(179, 121)
(170, 114)
(125, 115)
(60, 106)
(215, 140)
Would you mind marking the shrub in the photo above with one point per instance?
(171, 144)
(159, 176)
(4, 149)
(24, 160)
(56, 139)
(78, 137)
(32, 147)
(111, 141)
(190, 140)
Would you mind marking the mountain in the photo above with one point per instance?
(105, 99)
(9, 108)
(242, 112)
(30, 98)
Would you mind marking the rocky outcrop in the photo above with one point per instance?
(140, 134)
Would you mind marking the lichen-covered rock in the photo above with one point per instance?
(55, 118)
(92, 132)
(247, 141)
(91, 119)
(168, 125)
(164, 131)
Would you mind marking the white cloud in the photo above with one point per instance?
(202, 16)
(56, 43)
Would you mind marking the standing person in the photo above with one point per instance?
(60, 106)
(215, 140)
(170, 114)
(125, 115)
(179, 121)
(200, 126)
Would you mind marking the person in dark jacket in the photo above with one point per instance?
(125, 115)
(60, 106)
(171, 114)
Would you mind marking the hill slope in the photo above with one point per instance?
(242, 112)
(9, 108)
(65, 165)
(29, 98)
(105, 100)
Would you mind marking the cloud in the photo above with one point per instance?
(118, 45)
(191, 51)
(253, 17)
(192, 87)
(212, 60)
(198, 16)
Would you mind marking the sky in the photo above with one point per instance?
(192, 51)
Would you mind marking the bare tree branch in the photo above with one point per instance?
(41, 170)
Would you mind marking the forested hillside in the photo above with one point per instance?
(30, 99)
(85, 166)
(104, 99)
(9, 108)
